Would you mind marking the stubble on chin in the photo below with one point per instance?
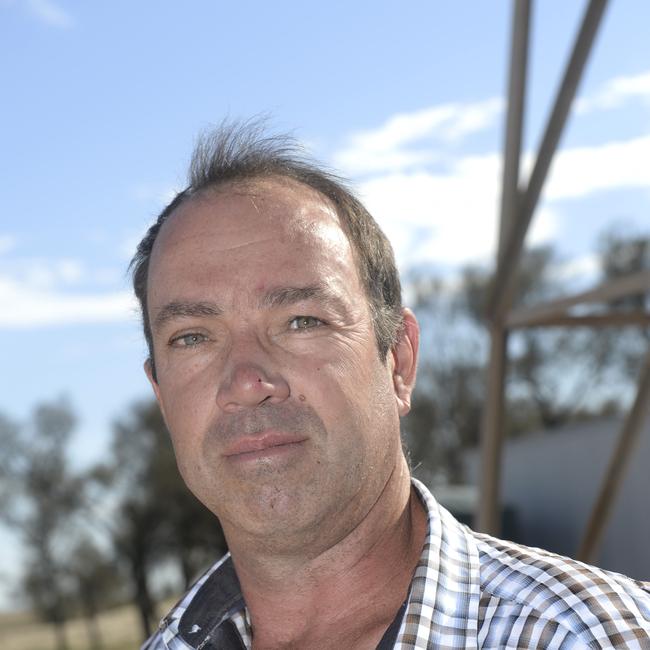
(263, 488)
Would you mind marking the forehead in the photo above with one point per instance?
(239, 227)
(283, 206)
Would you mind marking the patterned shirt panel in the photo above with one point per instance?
(468, 591)
(547, 596)
(518, 597)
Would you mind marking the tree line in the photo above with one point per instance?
(95, 538)
(98, 537)
(554, 375)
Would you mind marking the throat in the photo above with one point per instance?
(328, 606)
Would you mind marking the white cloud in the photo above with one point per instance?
(433, 217)
(390, 147)
(449, 216)
(40, 292)
(544, 227)
(583, 268)
(615, 93)
(446, 218)
(582, 171)
(50, 13)
(473, 118)
(26, 306)
(365, 161)
(404, 128)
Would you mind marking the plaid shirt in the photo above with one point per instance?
(468, 591)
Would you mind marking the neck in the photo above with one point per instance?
(295, 597)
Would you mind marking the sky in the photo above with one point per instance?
(102, 103)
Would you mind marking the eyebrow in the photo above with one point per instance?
(176, 309)
(285, 296)
(280, 297)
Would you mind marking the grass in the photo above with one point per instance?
(119, 629)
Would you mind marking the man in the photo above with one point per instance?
(282, 360)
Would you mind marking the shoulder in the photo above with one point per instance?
(546, 600)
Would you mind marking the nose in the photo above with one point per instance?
(249, 383)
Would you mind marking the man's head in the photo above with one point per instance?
(237, 154)
(262, 318)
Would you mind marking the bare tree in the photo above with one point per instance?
(554, 375)
(95, 582)
(40, 495)
(159, 519)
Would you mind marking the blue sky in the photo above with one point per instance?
(102, 103)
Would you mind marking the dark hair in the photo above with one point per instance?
(236, 153)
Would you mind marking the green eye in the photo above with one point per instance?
(189, 340)
(304, 322)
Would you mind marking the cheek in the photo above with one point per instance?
(354, 390)
(353, 372)
(188, 406)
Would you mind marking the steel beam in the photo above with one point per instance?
(492, 424)
(629, 285)
(613, 480)
(612, 319)
(514, 119)
(502, 289)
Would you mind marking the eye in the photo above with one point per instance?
(304, 322)
(188, 340)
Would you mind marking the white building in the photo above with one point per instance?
(551, 480)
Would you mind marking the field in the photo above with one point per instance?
(119, 629)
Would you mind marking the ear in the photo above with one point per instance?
(148, 370)
(405, 358)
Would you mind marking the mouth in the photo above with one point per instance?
(263, 445)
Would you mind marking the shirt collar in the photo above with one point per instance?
(444, 595)
(217, 599)
(445, 591)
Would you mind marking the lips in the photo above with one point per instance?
(266, 441)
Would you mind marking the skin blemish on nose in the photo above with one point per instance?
(301, 398)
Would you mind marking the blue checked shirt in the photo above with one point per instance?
(468, 591)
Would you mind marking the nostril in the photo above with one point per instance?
(248, 385)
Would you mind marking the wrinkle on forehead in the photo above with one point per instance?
(271, 190)
(274, 238)
(309, 215)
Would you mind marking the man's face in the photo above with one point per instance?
(283, 418)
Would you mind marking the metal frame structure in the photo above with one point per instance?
(518, 205)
